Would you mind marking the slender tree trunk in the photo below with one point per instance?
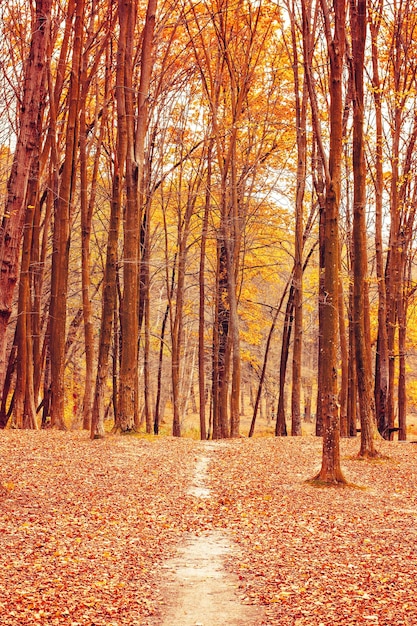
(170, 290)
(360, 261)
(145, 260)
(220, 348)
(256, 404)
(402, 394)
(344, 365)
(381, 364)
(109, 296)
(301, 121)
(202, 300)
(281, 425)
(87, 206)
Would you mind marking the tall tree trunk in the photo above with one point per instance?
(129, 314)
(331, 470)
(61, 236)
(301, 121)
(24, 402)
(11, 229)
(170, 291)
(87, 206)
(344, 365)
(128, 376)
(402, 333)
(360, 261)
(109, 296)
(202, 300)
(221, 349)
(381, 363)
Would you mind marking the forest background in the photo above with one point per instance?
(209, 208)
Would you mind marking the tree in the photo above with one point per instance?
(63, 206)
(331, 472)
(135, 155)
(28, 141)
(109, 293)
(361, 322)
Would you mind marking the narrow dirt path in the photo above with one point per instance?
(197, 589)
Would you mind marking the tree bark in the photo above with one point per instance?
(61, 235)
(109, 295)
(301, 125)
(359, 253)
(330, 472)
(11, 229)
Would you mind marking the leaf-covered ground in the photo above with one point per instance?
(85, 528)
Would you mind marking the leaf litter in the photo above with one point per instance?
(86, 527)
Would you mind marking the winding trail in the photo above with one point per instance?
(197, 589)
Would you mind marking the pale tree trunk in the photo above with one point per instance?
(331, 472)
(202, 299)
(11, 229)
(359, 253)
(221, 347)
(320, 173)
(301, 120)
(177, 312)
(392, 269)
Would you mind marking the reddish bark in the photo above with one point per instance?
(11, 229)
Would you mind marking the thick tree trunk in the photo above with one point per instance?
(28, 141)
(129, 314)
(331, 472)
(128, 376)
(61, 236)
(24, 398)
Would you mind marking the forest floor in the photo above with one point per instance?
(131, 531)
